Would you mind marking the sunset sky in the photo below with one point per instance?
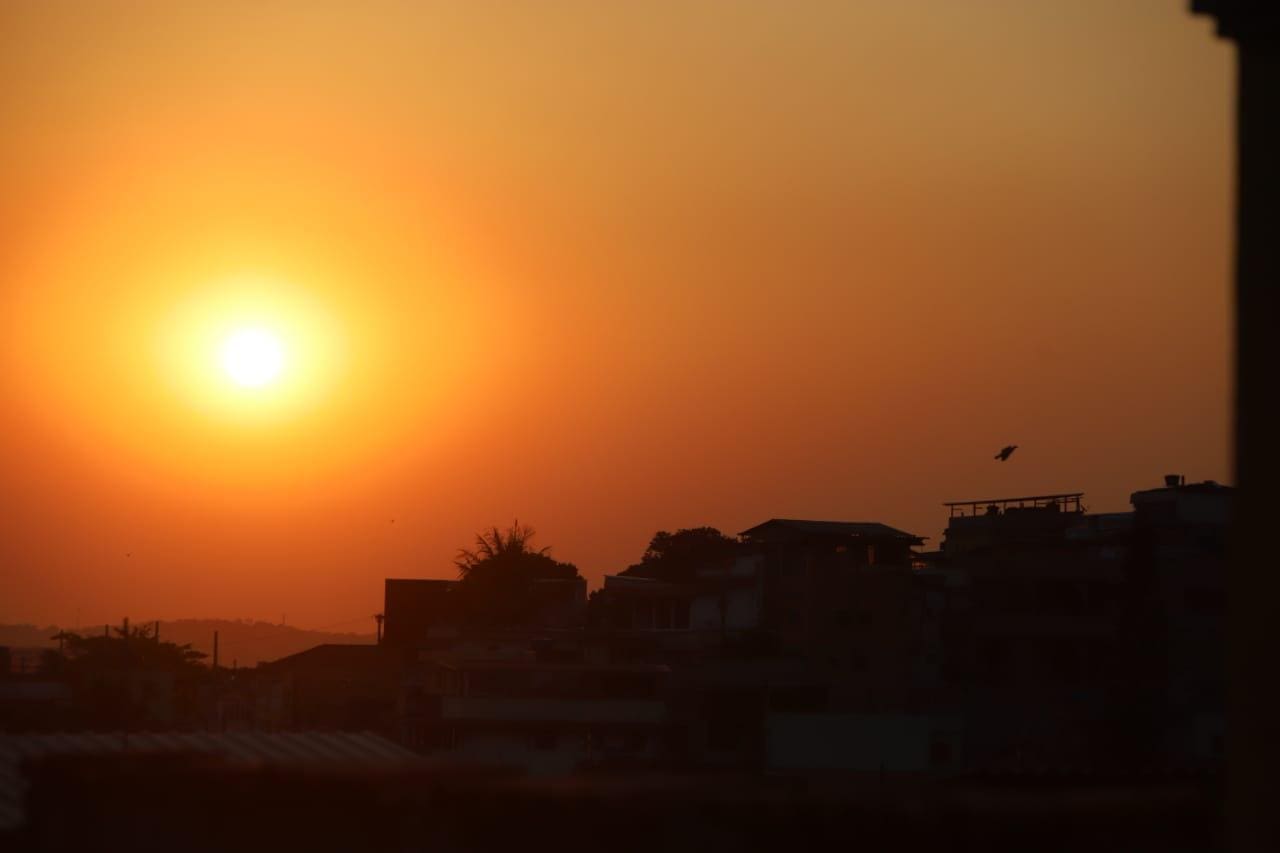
(608, 268)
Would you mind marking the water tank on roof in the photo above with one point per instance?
(1171, 480)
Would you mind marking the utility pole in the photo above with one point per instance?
(215, 651)
(378, 617)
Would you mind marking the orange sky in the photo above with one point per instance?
(608, 268)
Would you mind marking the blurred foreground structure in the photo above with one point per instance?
(227, 807)
(1255, 29)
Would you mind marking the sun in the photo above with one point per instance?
(252, 351)
(252, 357)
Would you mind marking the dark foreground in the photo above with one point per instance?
(199, 803)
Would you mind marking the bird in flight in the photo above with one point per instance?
(1006, 452)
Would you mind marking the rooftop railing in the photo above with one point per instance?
(1065, 502)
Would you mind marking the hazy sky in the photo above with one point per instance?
(608, 268)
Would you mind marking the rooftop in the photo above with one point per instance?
(1208, 487)
(1064, 501)
(331, 655)
(857, 529)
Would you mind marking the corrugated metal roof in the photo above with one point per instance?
(292, 749)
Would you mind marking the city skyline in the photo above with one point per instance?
(812, 266)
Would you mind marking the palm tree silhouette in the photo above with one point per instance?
(496, 545)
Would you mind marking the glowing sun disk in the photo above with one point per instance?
(252, 357)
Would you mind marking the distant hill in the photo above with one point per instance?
(243, 642)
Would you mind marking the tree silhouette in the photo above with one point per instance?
(501, 576)
(498, 546)
(677, 556)
(117, 677)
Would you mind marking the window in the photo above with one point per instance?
(662, 614)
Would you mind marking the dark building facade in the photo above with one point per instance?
(1178, 573)
(414, 608)
(1087, 640)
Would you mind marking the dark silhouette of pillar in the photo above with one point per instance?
(1252, 707)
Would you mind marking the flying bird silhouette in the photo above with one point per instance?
(1006, 452)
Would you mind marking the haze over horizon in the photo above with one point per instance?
(604, 270)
